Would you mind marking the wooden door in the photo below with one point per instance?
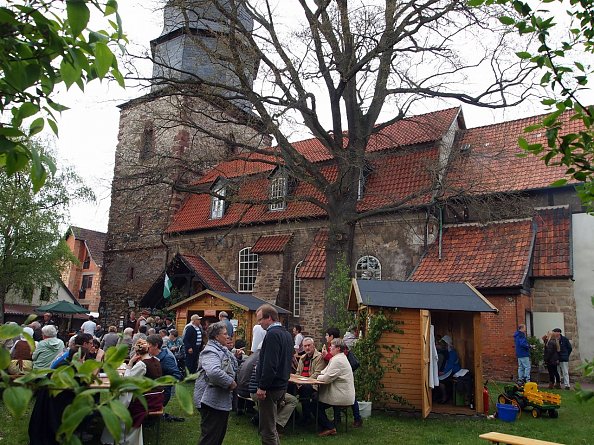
(426, 358)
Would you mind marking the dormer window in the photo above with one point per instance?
(278, 190)
(217, 205)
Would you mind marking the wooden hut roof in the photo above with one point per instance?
(418, 295)
(246, 302)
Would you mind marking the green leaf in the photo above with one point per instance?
(70, 74)
(115, 356)
(27, 110)
(89, 366)
(507, 20)
(111, 7)
(103, 59)
(78, 16)
(121, 411)
(559, 183)
(53, 125)
(10, 331)
(75, 413)
(36, 126)
(524, 55)
(16, 399)
(11, 132)
(184, 397)
(4, 358)
(112, 422)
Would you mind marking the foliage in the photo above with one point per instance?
(239, 315)
(45, 44)
(78, 378)
(537, 351)
(585, 394)
(567, 76)
(376, 359)
(337, 295)
(32, 251)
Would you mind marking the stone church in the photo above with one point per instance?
(500, 226)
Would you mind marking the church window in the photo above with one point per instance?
(217, 206)
(147, 141)
(248, 269)
(368, 268)
(297, 290)
(278, 192)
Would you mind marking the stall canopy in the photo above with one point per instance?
(418, 295)
(62, 307)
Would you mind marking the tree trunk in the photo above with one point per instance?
(341, 234)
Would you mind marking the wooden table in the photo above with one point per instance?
(299, 380)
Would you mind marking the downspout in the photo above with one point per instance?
(440, 231)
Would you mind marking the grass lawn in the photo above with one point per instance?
(575, 425)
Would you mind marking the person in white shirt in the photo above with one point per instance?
(88, 327)
(258, 334)
(298, 338)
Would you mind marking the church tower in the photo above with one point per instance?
(169, 137)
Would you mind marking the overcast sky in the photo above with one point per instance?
(88, 131)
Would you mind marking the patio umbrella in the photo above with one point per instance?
(65, 308)
(62, 307)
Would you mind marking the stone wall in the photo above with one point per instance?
(557, 296)
(162, 141)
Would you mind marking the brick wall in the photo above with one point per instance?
(499, 357)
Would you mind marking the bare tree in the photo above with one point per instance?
(333, 76)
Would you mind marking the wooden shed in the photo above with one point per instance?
(209, 303)
(452, 308)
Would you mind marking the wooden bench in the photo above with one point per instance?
(514, 440)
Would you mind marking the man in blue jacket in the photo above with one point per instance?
(273, 371)
(522, 353)
(168, 367)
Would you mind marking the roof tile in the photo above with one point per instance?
(212, 280)
(553, 238)
(94, 240)
(487, 256)
(271, 244)
(314, 264)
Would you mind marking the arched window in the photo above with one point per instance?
(248, 269)
(369, 268)
(297, 291)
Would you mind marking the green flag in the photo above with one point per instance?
(167, 287)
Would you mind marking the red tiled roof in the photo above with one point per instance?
(314, 264)
(271, 244)
(552, 252)
(212, 280)
(94, 240)
(400, 176)
(493, 165)
(488, 256)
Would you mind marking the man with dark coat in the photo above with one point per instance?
(193, 342)
(565, 349)
(273, 371)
